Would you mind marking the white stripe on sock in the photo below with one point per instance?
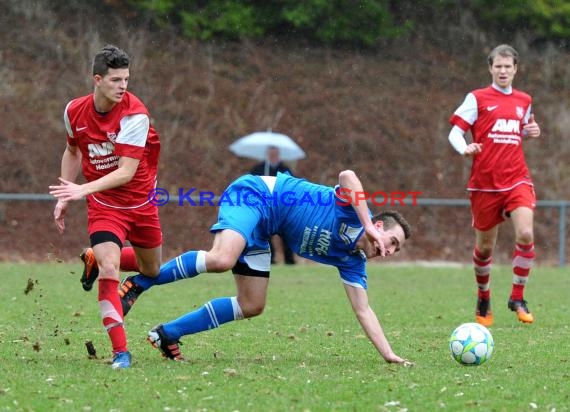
(212, 314)
(238, 314)
(484, 286)
(113, 325)
(522, 262)
(519, 280)
(180, 266)
(107, 310)
(482, 270)
(201, 262)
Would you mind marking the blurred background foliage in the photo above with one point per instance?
(362, 23)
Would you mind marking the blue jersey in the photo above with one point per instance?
(315, 222)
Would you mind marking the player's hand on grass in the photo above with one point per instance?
(393, 358)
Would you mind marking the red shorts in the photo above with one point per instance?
(488, 209)
(139, 226)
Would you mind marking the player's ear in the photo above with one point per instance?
(379, 225)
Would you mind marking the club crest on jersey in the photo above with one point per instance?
(520, 112)
(113, 136)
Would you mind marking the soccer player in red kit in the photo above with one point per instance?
(499, 118)
(110, 138)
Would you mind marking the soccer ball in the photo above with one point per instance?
(471, 344)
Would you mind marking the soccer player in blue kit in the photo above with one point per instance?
(328, 225)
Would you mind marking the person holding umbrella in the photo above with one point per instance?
(269, 167)
(255, 145)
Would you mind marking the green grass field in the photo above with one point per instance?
(306, 352)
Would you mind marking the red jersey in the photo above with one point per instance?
(496, 120)
(104, 137)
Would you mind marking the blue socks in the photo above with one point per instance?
(184, 266)
(210, 316)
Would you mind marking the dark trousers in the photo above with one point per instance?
(287, 252)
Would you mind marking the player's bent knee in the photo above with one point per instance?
(253, 311)
(151, 271)
(251, 308)
(108, 271)
(220, 264)
(485, 250)
(525, 237)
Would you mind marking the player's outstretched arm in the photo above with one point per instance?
(67, 190)
(358, 298)
(122, 175)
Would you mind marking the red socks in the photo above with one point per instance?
(110, 302)
(482, 266)
(129, 260)
(523, 258)
(112, 313)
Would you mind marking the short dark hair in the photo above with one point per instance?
(503, 50)
(391, 218)
(110, 57)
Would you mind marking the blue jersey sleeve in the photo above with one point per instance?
(354, 271)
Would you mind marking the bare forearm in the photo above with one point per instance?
(70, 165)
(375, 333)
(114, 179)
(354, 189)
(369, 322)
(68, 190)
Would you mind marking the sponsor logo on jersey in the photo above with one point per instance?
(507, 126)
(316, 240)
(100, 149)
(100, 158)
(323, 242)
(491, 108)
(506, 131)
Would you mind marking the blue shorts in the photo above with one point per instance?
(243, 210)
